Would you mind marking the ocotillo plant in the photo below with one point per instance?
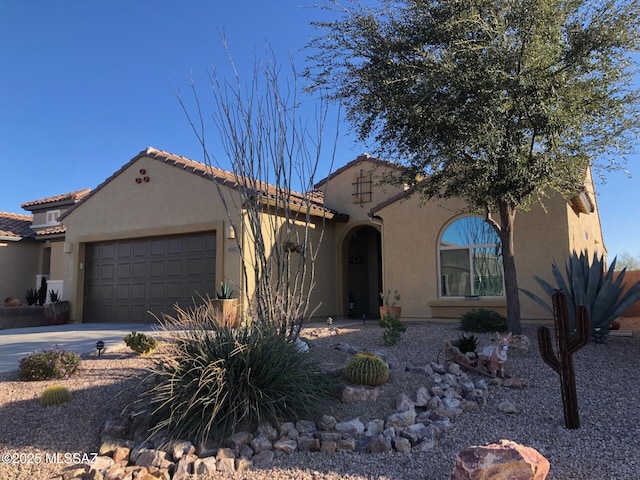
(567, 346)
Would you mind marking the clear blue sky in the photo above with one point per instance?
(87, 85)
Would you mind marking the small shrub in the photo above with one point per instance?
(215, 381)
(366, 368)
(467, 343)
(394, 328)
(48, 364)
(55, 395)
(482, 320)
(140, 343)
(31, 296)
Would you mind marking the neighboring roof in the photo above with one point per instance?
(365, 157)
(15, 226)
(64, 198)
(223, 177)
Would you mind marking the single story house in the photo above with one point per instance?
(156, 233)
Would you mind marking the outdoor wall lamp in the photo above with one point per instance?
(100, 347)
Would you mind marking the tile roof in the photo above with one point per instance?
(223, 177)
(49, 231)
(365, 157)
(15, 225)
(72, 197)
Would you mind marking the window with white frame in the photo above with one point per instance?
(470, 260)
(52, 217)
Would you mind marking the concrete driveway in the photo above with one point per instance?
(81, 338)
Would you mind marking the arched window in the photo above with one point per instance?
(470, 260)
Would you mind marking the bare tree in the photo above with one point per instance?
(274, 154)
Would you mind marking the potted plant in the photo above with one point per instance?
(389, 305)
(57, 312)
(225, 306)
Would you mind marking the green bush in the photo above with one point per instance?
(48, 364)
(55, 395)
(215, 381)
(394, 328)
(140, 343)
(483, 320)
(366, 368)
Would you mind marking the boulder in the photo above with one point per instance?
(505, 460)
(359, 393)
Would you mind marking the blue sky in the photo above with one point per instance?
(86, 85)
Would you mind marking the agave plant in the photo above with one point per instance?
(591, 285)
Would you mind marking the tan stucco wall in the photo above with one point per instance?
(56, 268)
(585, 232)
(320, 273)
(19, 264)
(172, 202)
(410, 244)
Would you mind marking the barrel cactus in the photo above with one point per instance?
(55, 395)
(366, 368)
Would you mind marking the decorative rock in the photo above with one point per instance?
(346, 445)
(374, 427)
(505, 460)
(378, 444)
(481, 385)
(422, 397)
(359, 393)
(226, 460)
(239, 439)
(401, 445)
(306, 426)
(354, 426)
(75, 473)
(267, 431)
(115, 428)
(260, 444)
(263, 458)
(401, 419)
(246, 451)
(101, 463)
(438, 368)
(425, 445)
(451, 403)
(288, 429)
(115, 472)
(454, 369)
(414, 433)
(404, 403)
(205, 466)
(180, 448)
(243, 464)
(330, 436)
(507, 407)
(308, 444)
(515, 382)
(152, 458)
(286, 445)
(121, 455)
(184, 468)
(329, 446)
(327, 422)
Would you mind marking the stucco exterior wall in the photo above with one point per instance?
(585, 232)
(173, 201)
(411, 235)
(20, 263)
(56, 269)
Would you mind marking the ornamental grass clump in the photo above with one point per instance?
(47, 364)
(215, 380)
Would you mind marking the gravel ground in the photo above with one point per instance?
(605, 447)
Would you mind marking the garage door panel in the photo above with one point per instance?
(125, 280)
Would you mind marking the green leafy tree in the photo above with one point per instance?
(496, 102)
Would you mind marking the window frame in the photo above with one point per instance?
(470, 248)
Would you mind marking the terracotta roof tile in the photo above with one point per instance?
(15, 225)
(223, 177)
(55, 230)
(74, 197)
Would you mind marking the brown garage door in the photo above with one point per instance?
(126, 279)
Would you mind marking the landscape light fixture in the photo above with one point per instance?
(100, 347)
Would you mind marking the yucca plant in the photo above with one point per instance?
(591, 285)
(215, 380)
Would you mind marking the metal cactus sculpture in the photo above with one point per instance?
(567, 346)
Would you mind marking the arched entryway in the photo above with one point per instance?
(363, 272)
